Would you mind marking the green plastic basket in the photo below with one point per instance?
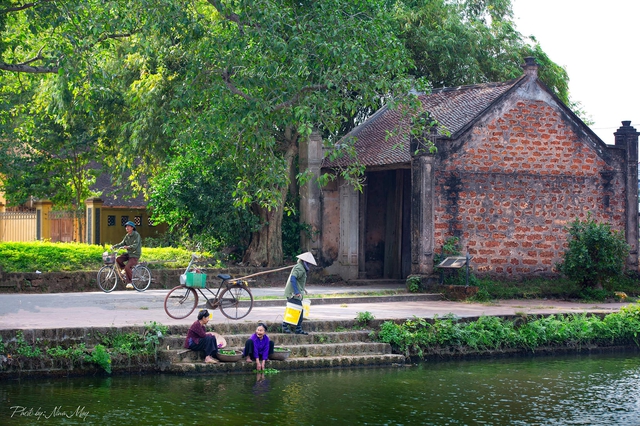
(196, 280)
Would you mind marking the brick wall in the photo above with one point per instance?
(518, 179)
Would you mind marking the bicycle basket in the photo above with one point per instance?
(108, 258)
(196, 280)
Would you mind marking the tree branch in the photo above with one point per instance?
(226, 77)
(233, 17)
(299, 95)
(25, 67)
(23, 6)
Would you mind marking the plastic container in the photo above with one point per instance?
(196, 280)
(292, 313)
(306, 307)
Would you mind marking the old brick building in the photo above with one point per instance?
(512, 169)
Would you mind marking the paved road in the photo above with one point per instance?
(122, 308)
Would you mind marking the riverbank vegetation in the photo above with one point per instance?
(112, 346)
(449, 336)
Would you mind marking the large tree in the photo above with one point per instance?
(237, 84)
(268, 72)
(51, 104)
(459, 42)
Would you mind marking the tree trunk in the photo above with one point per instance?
(265, 248)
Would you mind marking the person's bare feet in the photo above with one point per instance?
(211, 360)
(248, 359)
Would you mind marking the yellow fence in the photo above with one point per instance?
(17, 226)
(63, 226)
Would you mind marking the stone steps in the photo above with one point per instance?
(297, 351)
(329, 344)
(236, 341)
(299, 363)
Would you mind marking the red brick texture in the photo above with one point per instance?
(517, 181)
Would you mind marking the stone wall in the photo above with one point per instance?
(519, 180)
(68, 282)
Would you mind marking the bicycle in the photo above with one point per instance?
(233, 296)
(111, 272)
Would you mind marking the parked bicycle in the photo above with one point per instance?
(111, 273)
(233, 296)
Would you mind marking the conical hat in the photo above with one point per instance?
(307, 257)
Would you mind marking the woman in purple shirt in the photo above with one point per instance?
(258, 347)
(199, 340)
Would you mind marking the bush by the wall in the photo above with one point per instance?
(596, 254)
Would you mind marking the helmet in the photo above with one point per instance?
(307, 257)
(129, 223)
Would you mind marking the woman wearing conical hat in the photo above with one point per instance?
(295, 287)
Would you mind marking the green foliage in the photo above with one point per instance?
(449, 248)
(596, 254)
(292, 229)
(209, 100)
(52, 257)
(72, 354)
(25, 349)
(153, 333)
(3, 349)
(463, 42)
(101, 357)
(414, 284)
(364, 318)
(194, 195)
(420, 337)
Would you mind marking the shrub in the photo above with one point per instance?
(596, 254)
(414, 284)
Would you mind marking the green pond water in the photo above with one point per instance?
(567, 390)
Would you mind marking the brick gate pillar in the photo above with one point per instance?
(310, 206)
(627, 137)
(422, 214)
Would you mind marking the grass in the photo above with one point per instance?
(57, 257)
(556, 288)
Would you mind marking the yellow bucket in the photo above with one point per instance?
(292, 313)
(306, 306)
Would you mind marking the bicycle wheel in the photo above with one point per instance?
(180, 302)
(107, 278)
(236, 301)
(141, 277)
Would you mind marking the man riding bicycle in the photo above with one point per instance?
(133, 243)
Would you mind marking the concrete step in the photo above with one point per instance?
(297, 351)
(249, 327)
(288, 364)
(345, 299)
(176, 342)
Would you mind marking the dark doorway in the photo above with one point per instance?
(387, 242)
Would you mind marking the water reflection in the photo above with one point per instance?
(576, 390)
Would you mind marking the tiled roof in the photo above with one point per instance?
(117, 196)
(453, 107)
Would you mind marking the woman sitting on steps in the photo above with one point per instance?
(258, 347)
(199, 340)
